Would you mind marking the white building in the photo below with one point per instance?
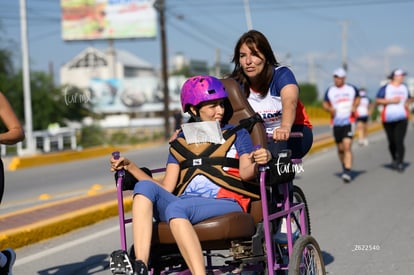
(110, 63)
(118, 82)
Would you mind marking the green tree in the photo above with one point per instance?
(49, 103)
(308, 93)
(6, 64)
(185, 70)
(76, 104)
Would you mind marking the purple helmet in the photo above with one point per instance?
(199, 89)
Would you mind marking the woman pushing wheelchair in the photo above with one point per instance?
(202, 180)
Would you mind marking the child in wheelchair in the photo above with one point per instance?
(202, 180)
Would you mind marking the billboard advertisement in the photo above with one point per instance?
(139, 94)
(108, 19)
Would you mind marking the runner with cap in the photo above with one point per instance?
(363, 112)
(395, 99)
(341, 100)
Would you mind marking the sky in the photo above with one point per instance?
(312, 37)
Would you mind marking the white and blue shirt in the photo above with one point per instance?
(396, 111)
(342, 100)
(363, 107)
(270, 106)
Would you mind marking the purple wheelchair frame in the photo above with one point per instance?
(288, 209)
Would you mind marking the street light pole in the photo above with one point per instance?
(344, 45)
(248, 14)
(160, 6)
(26, 81)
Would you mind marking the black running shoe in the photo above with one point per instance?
(120, 263)
(346, 176)
(140, 268)
(11, 257)
(400, 167)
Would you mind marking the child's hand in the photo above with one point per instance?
(261, 156)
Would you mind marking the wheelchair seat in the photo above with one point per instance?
(217, 232)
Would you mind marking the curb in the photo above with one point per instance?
(65, 156)
(329, 141)
(64, 223)
(51, 158)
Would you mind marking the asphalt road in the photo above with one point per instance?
(363, 227)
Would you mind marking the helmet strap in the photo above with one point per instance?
(195, 117)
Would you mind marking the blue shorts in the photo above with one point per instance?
(167, 206)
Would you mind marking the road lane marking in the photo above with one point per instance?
(65, 246)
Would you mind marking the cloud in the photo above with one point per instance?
(395, 50)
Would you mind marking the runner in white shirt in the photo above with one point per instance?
(341, 100)
(363, 112)
(395, 98)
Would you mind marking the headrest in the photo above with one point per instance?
(243, 110)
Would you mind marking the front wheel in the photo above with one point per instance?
(299, 197)
(306, 257)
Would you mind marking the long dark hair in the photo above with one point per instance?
(254, 40)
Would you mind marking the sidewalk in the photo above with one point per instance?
(32, 225)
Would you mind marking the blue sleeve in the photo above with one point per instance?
(381, 92)
(356, 90)
(171, 158)
(243, 143)
(409, 94)
(326, 98)
(281, 77)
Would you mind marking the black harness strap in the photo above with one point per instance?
(210, 161)
(246, 123)
(212, 172)
(205, 163)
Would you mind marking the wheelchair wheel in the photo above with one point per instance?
(306, 257)
(299, 197)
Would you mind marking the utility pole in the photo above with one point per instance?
(311, 69)
(112, 58)
(344, 44)
(248, 15)
(160, 7)
(217, 63)
(26, 81)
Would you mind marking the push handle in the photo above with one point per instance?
(292, 135)
(121, 213)
(116, 155)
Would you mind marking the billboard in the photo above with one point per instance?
(108, 19)
(138, 94)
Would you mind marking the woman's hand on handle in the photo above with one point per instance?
(284, 134)
(281, 134)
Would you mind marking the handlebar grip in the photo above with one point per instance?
(296, 135)
(116, 155)
(291, 135)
